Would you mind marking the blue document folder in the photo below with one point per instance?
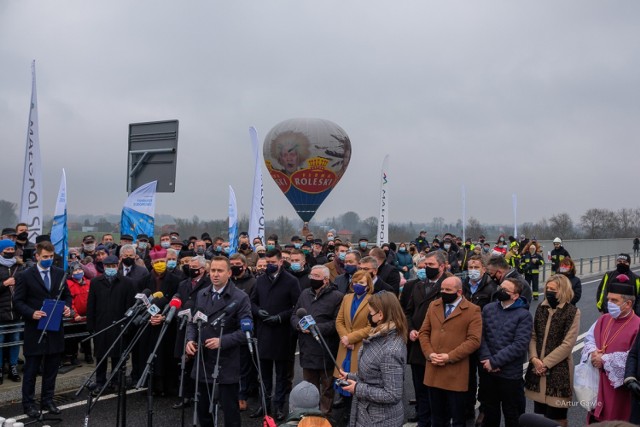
(54, 312)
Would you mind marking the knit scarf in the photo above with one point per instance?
(558, 376)
(8, 262)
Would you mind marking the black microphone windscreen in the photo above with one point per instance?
(147, 292)
(301, 312)
(161, 302)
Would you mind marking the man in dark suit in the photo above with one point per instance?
(370, 265)
(33, 286)
(213, 300)
(388, 273)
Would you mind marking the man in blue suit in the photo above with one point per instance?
(33, 286)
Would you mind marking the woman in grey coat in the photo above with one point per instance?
(377, 388)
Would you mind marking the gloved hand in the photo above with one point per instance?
(272, 320)
(263, 314)
(634, 386)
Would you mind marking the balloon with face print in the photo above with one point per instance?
(306, 158)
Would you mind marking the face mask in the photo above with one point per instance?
(142, 245)
(271, 268)
(165, 245)
(8, 255)
(271, 247)
(128, 261)
(448, 298)
(46, 263)
(89, 248)
(22, 236)
(316, 284)
(330, 248)
(363, 245)
(552, 299)
(350, 269)
(295, 266)
(171, 264)
(474, 275)
(227, 249)
(261, 254)
(78, 276)
(447, 246)
(330, 238)
(359, 289)
(110, 272)
(613, 309)
(160, 267)
(286, 264)
(564, 270)
(193, 272)
(244, 247)
(306, 252)
(432, 272)
(370, 319)
(622, 268)
(485, 249)
(502, 295)
(218, 249)
(467, 246)
(481, 240)
(421, 274)
(297, 245)
(342, 256)
(200, 251)
(236, 270)
(402, 249)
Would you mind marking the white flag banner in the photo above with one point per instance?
(31, 197)
(139, 210)
(59, 233)
(233, 222)
(515, 215)
(383, 220)
(256, 220)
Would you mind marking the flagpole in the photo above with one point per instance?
(383, 219)
(256, 221)
(233, 221)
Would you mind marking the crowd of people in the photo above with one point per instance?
(457, 312)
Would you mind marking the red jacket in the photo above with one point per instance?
(80, 295)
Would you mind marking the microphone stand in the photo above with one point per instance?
(216, 372)
(196, 394)
(262, 389)
(183, 366)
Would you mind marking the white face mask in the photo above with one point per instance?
(474, 275)
(613, 309)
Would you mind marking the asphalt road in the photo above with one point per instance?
(103, 414)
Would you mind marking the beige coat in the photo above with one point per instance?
(458, 335)
(356, 330)
(564, 351)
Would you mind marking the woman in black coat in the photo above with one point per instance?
(568, 268)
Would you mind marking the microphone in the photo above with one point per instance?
(158, 305)
(307, 322)
(141, 299)
(174, 305)
(226, 311)
(185, 315)
(200, 317)
(246, 325)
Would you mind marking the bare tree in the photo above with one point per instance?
(474, 229)
(8, 216)
(561, 225)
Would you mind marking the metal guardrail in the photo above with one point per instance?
(14, 327)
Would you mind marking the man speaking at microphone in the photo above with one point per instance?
(321, 301)
(213, 300)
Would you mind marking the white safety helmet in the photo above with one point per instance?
(557, 240)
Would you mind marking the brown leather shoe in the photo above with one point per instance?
(242, 404)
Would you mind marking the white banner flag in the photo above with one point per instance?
(31, 198)
(139, 210)
(256, 221)
(59, 233)
(233, 221)
(383, 220)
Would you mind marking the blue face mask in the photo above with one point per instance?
(295, 266)
(402, 249)
(227, 249)
(359, 289)
(363, 245)
(421, 273)
(271, 247)
(613, 309)
(474, 275)
(218, 248)
(172, 263)
(342, 256)
(350, 269)
(78, 276)
(297, 245)
(165, 244)
(46, 263)
(271, 268)
(110, 271)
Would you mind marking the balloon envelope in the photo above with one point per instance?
(306, 158)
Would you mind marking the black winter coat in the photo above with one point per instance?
(246, 282)
(632, 370)
(390, 275)
(188, 294)
(324, 309)
(28, 297)
(8, 312)
(232, 337)
(107, 303)
(303, 277)
(278, 297)
(483, 294)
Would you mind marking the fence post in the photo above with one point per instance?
(608, 262)
(581, 260)
(590, 265)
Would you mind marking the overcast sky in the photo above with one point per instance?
(537, 98)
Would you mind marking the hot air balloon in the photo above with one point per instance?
(306, 158)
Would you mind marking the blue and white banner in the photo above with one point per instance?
(31, 197)
(383, 220)
(256, 220)
(59, 232)
(233, 221)
(139, 211)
